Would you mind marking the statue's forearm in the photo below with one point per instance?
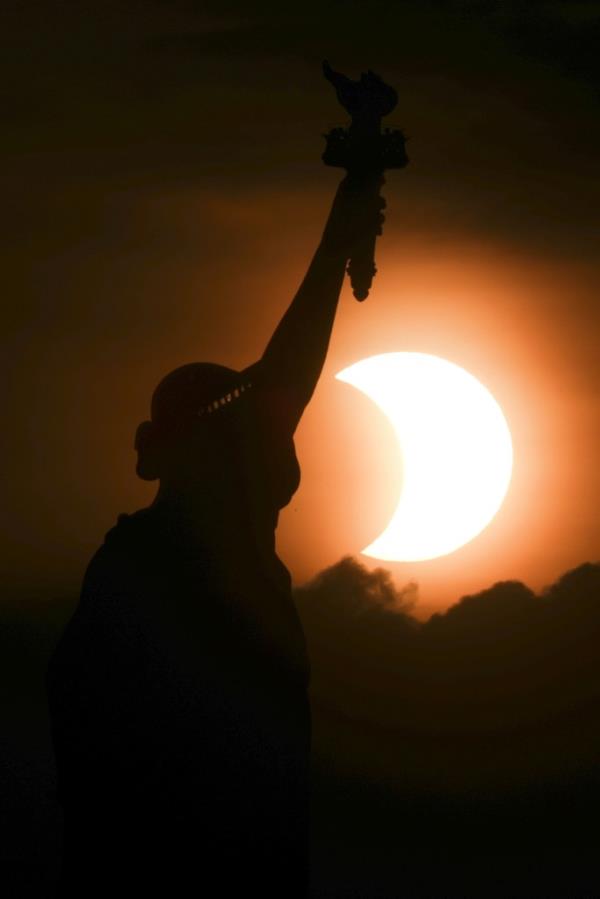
(296, 353)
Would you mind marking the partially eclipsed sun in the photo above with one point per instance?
(456, 452)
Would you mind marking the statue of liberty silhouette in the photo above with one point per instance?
(179, 690)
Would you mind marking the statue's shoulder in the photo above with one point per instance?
(105, 614)
(127, 555)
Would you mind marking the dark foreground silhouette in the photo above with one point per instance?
(178, 692)
(454, 758)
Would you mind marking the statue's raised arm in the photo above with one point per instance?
(295, 354)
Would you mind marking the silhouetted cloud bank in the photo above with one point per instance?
(501, 690)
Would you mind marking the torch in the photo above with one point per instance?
(365, 151)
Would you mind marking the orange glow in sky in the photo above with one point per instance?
(500, 317)
(522, 324)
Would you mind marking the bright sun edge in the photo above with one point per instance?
(456, 451)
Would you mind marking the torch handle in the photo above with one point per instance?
(361, 264)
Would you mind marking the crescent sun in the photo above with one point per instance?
(455, 446)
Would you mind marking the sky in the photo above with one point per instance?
(163, 195)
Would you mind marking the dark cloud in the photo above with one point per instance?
(504, 662)
(353, 592)
(458, 756)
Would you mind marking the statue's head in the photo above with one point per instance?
(195, 424)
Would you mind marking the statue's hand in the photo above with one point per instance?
(356, 213)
